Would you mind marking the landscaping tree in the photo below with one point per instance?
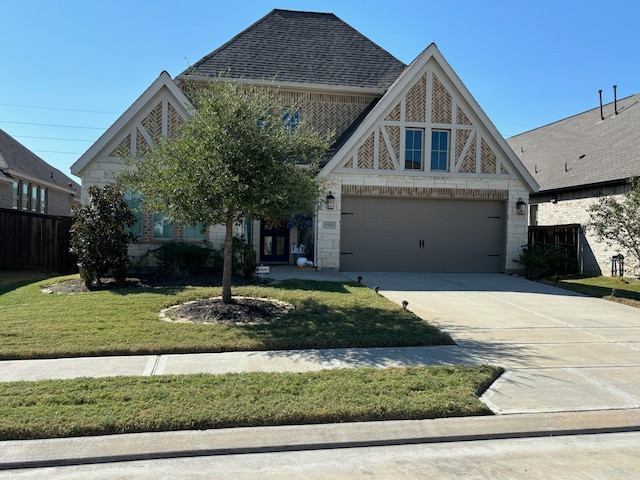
(241, 154)
(99, 235)
(617, 222)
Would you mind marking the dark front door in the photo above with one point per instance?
(274, 243)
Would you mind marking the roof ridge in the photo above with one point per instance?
(576, 115)
(333, 53)
(252, 26)
(15, 164)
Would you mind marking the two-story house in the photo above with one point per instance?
(419, 178)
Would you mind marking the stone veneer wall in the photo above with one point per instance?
(328, 243)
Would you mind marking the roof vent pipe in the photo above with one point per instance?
(601, 115)
(615, 100)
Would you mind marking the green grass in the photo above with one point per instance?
(124, 322)
(88, 406)
(327, 315)
(617, 289)
(10, 280)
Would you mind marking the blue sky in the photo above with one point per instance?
(69, 68)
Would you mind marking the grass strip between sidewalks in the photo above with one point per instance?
(101, 406)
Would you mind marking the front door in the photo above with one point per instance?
(274, 243)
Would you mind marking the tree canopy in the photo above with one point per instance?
(241, 154)
(617, 221)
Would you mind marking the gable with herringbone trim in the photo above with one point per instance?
(430, 102)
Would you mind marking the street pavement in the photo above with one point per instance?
(572, 366)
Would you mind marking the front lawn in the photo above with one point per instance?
(617, 289)
(100, 406)
(125, 321)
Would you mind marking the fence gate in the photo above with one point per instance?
(565, 236)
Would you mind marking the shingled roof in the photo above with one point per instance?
(16, 160)
(584, 150)
(302, 48)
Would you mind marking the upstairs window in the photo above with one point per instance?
(291, 119)
(16, 195)
(34, 198)
(439, 151)
(24, 197)
(42, 201)
(413, 149)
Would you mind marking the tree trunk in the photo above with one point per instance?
(227, 270)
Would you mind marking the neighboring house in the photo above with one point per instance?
(419, 178)
(576, 160)
(29, 184)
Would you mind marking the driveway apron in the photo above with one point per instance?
(562, 351)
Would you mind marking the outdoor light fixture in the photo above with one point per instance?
(331, 201)
(521, 206)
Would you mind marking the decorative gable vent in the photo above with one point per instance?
(162, 120)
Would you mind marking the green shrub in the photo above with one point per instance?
(100, 236)
(540, 260)
(244, 258)
(183, 259)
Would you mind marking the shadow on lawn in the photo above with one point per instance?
(12, 280)
(315, 324)
(311, 285)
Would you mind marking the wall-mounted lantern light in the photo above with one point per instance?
(331, 201)
(521, 206)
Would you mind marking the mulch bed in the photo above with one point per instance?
(242, 310)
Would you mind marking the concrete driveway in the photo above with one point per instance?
(562, 351)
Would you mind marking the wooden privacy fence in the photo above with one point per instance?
(30, 241)
(565, 236)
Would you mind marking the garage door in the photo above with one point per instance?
(418, 235)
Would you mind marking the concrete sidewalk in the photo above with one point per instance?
(230, 362)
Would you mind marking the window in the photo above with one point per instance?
(533, 214)
(413, 149)
(439, 150)
(42, 204)
(291, 119)
(162, 226)
(34, 198)
(134, 202)
(194, 232)
(24, 197)
(16, 195)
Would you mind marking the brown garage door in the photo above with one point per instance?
(417, 235)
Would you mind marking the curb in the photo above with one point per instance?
(241, 441)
